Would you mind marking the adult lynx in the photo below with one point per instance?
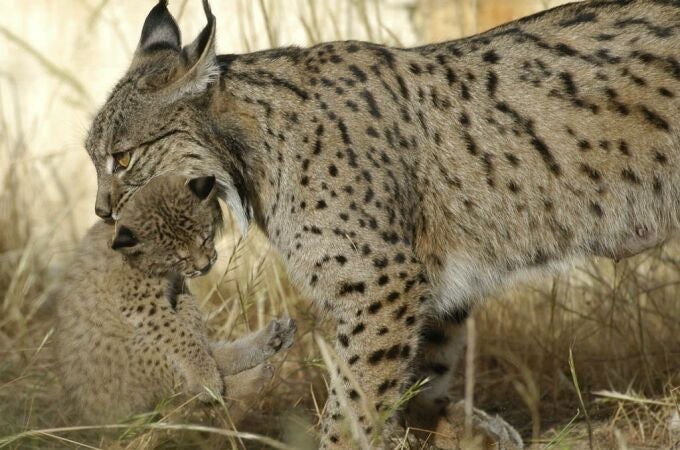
(402, 185)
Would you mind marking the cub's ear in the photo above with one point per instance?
(160, 31)
(123, 239)
(202, 187)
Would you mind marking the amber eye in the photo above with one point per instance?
(121, 159)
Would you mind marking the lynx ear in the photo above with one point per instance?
(175, 70)
(199, 58)
(124, 238)
(202, 187)
(160, 31)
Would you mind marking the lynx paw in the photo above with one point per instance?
(487, 432)
(280, 334)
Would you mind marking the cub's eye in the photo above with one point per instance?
(121, 160)
(206, 240)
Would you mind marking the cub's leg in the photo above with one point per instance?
(245, 387)
(375, 303)
(179, 333)
(248, 383)
(255, 348)
(442, 343)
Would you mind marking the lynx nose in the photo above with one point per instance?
(104, 213)
(102, 204)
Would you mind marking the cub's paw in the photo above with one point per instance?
(205, 382)
(280, 334)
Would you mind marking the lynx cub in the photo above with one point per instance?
(128, 332)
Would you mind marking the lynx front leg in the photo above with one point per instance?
(376, 311)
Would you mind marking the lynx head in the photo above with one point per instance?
(169, 226)
(156, 119)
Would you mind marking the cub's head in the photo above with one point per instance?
(170, 226)
(156, 121)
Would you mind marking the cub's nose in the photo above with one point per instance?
(205, 269)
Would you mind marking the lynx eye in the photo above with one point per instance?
(121, 160)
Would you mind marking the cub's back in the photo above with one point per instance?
(92, 337)
(89, 295)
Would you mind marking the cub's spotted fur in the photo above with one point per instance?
(127, 332)
(401, 185)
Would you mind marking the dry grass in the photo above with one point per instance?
(588, 359)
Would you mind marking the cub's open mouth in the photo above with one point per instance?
(199, 272)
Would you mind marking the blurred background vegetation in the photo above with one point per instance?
(590, 358)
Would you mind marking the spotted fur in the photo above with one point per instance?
(129, 332)
(402, 185)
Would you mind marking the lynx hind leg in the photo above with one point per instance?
(255, 348)
(441, 348)
(442, 343)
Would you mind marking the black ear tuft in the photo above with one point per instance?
(202, 187)
(124, 238)
(160, 31)
(208, 12)
(204, 43)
